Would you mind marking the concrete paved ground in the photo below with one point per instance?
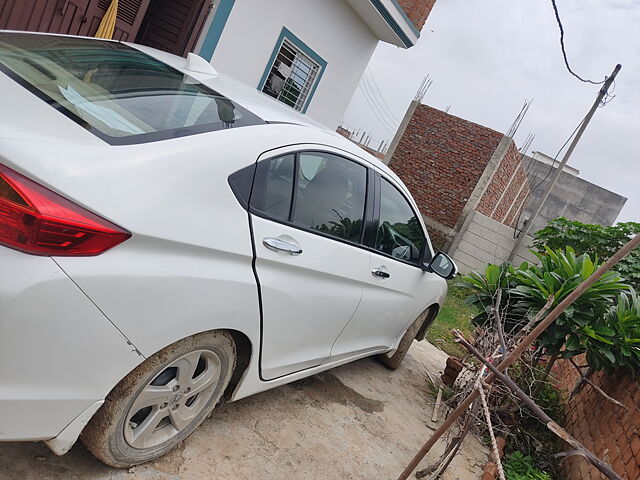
(359, 421)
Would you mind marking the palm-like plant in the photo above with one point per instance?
(614, 340)
(482, 291)
(604, 322)
(559, 274)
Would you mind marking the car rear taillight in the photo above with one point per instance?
(35, 220)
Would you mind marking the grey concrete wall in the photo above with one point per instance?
(484, 240)
(571, 197)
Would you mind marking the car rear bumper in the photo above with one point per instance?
(58, 353)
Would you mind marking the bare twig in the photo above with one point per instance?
(532, 323)
(546, 373)
(452, 449)
(495, 311)
(598, 389)
(436, 409)
(584, 378)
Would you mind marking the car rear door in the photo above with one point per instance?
(307, 211)
(398, 289)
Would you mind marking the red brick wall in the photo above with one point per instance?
(417, 10)
(600, 425)
(438, 239)
(505, 186)
(518, 205)
(440, 158)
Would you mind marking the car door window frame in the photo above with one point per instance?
(371, 239)
(371, 211)
(369, 204)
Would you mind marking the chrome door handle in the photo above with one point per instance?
(377, 272)
(278, 245)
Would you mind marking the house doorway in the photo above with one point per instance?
(173, 25)
(170, 25)
(71, 17)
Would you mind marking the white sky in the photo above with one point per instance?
(486, 57)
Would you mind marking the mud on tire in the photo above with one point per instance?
(105, 435)
(423, 320)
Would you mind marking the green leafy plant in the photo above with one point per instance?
(608, 334)
(559, 274)
(521, 467)
(619, 332)
(596, 240)
(482, 289)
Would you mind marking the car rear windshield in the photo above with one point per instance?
(116, 92)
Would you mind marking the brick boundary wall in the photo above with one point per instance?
(600, 425)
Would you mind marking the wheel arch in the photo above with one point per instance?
(432, 313)
(63, 442)
(244, 351)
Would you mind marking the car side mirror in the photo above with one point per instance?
(441, 264)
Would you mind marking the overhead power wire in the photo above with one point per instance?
(365, 84)
(555, 159)
(564, 53)
(375, 84)
(551, 167)
(374, 111)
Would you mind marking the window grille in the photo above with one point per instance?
(291, 76)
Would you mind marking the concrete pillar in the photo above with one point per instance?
(403, 126)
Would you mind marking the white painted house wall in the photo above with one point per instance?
(329, 27)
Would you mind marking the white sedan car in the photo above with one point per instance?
(171, 239)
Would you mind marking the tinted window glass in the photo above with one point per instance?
(273, 186)
(115, 91)
(330, 195)
(399, 233)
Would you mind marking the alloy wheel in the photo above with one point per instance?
(173, 399)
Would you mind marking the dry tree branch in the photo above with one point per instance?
(598, 389)
(495, 311)
(532, 323)
(452, 448)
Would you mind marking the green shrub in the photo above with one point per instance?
(596, 240)
(521, 467)
(608, 334)
(559, 274)
(481, 291)
(620, 346)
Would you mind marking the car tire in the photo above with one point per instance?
(393, 362)
(127, 431)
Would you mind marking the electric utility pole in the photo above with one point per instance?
(527, 226)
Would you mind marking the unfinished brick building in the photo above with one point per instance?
(467, 179)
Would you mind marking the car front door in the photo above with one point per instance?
(307, 212)
(397, 288)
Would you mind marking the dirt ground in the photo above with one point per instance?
(359, 421)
